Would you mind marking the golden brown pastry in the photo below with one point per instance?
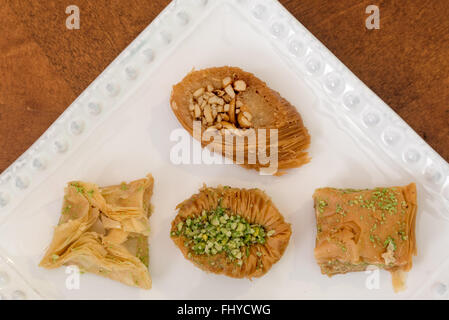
(105, 231)
(358, 228)
(231, 231)
(230, 101)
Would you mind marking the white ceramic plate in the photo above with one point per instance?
(119, 129)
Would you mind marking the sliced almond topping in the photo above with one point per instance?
(207, 95)
(219, 93)
(221, 109)
(243, 121)
(230, 91)
(212, 128)
(231, 111)
(225, 117)
(198, 92)
(226, 81)
(216, 100)
(240, 85)
(214, 111)
(227, 98)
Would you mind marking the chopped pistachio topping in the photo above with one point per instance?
(381, 203)
(321, 205)
(217, 231)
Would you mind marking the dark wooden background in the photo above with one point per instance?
(44, 66)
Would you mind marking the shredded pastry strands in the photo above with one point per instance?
(105, 231)
(241, 234)
(358, 228)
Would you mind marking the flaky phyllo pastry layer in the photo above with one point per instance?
(104, 231)
(236, 232)
(358, 228)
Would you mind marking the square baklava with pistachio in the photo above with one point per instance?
(358, 228)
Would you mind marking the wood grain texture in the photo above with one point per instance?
(44, 66)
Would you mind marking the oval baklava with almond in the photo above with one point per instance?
(228, 100)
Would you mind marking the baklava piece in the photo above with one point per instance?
(358, 228)
(231, 231)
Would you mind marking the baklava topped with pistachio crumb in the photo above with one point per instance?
(358, 228)
(231, 231)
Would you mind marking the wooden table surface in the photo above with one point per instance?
(44, 66)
